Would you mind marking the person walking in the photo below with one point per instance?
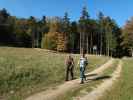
(69, 67)
(83, 63)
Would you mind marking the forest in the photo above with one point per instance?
(101, 36)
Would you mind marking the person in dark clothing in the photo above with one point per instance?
(69, 67)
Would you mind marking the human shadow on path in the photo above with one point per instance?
(101, 77)
(96, 78)
(87, 75)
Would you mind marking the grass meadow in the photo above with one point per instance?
(123, 89)
(26, 71)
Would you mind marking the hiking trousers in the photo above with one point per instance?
(82, 74)
(69, 70)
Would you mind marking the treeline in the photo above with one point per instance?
(94, 36)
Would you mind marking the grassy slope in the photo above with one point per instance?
(123, 90)
(24, 71)
(87, 87)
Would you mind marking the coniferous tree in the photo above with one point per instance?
(74, 37)
(101, 30)
(66, 31)
(83, 28)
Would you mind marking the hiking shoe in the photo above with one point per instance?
(81, 82)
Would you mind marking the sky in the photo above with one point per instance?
(119, 10)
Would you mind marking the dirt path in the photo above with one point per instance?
(103, 87)
(62, 89)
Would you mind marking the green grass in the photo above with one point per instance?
(87, 87)
(123, 89)
(111, 69)
(26, 71)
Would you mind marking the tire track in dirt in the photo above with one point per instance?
(52, 94)
(104, 86)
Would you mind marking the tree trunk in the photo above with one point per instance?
(91, 43)
(33, 40)
(132, 51)
(101, 44)
(83, 42)
(80, 43)
(108, 48)
(87, 44)
(42, 40)
(37, 40)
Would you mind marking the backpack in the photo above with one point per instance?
(86, 62)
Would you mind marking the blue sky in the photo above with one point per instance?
(120, 10)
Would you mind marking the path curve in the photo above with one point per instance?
(106, 85)
(63, 88)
